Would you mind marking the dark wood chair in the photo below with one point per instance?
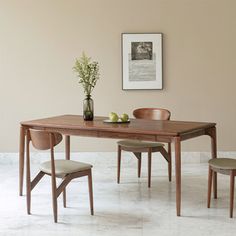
(226, 166)
(138, 147)
(64, 169)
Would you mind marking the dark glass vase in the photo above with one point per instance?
(88, 108)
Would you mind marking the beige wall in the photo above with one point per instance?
(39, 41)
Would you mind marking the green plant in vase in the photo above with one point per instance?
(88, 74)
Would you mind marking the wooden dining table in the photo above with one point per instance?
(150, 130)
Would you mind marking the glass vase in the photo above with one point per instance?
(88, 108)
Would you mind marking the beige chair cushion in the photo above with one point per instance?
(223, 163)
(138, 144)
(63, 167)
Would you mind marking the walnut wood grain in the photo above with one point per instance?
(136, 126)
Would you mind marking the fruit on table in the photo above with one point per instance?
(124, 117)
(113, 117)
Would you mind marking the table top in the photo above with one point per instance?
(138, 126)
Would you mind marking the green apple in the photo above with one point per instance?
(113, 117)
(124, 117)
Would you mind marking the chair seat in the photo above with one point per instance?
(223, 163)
(138, 144)
(63, 167)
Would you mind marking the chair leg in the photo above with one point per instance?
(64, 198)
(28, 198)
(170, 162)
(231, 193)
(149, 166)
(90, 185)
(54, 199)
(118, 163)
(209, 187)
(139, 165)
(54, 205)
(215, 184)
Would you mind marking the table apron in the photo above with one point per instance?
(106, 134)
(193, 134)
(123, 135)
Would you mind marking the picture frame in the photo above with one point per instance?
(142, 61)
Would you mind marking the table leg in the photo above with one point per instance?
(212, 134)
(67, 144)
(178, 174)
(67, 147)
(21, 159)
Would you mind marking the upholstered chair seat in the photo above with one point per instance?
(64, 167)
(223, 163)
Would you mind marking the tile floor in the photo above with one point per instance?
(126, 209)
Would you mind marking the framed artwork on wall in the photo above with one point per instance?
(141, 61)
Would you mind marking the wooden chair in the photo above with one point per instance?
(64, 169)
(138, 147)
(224, 166)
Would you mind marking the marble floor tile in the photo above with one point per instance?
(127, 209)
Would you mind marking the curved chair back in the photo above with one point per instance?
(152, 114)
(40, 139)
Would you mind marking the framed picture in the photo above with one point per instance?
(142, 61)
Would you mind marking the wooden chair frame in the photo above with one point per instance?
(150, 115)
(56, 191)
(138, 154)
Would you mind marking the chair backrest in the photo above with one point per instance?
(152, 114)
(40, 139)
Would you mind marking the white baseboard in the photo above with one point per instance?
(109, 158)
